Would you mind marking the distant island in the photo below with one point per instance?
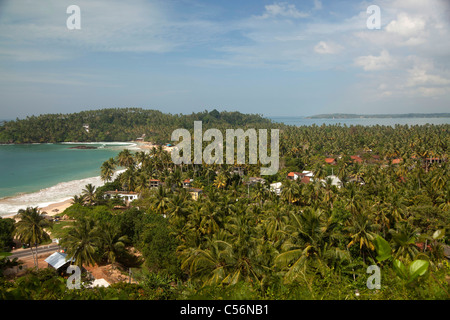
(356, 116)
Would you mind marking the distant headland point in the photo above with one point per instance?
(359, 116)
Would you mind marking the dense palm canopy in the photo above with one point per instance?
(314, 236)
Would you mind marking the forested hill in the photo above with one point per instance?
(119, 124)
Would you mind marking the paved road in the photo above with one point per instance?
(25, 253)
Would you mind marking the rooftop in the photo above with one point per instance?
(57, 260)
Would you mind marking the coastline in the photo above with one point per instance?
(52, 209)
(58, 197)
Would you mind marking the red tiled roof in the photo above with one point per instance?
(291, 174)
(396, 161)
(356, 158)
(305, 180)
(330, 160)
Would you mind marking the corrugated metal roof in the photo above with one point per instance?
(57, 260)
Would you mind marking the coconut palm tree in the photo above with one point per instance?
(112, 243)
(221, 181)
(161, 200)
(89, 194)
(30, 229)
(362, 230)
(78, 199)
(81, 242)
(177, 208)
(310, 232)
(125, 158)
(404, 238)
(107, 170)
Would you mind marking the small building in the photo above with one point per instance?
(356, 179)
(187, 183)
(58, 261)
(127, 196)
(335, 181)
(155, 183)
(330, 161)
(294, 175)
(254, 180)
(306, 173)
(356, 159)
(396, 161)
(433, 160)
(195, 193)
(305, 180)
(276, 187)
(238, 170)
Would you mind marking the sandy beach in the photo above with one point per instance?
(148, 146)
(56, 208)
(53, 209)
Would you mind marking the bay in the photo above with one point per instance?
(41, 174)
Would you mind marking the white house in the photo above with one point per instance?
(125, 195)
(276, 187)
(335, 181)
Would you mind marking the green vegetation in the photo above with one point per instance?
(239, 241)
(403, 115)
(121, 124)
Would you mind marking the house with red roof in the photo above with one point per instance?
(155, 183)
(294, 175)
(356, 159)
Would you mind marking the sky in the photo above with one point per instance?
(275, 58)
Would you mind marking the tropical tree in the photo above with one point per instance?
(362, 231)
(82, 241)
(161, 200)
(311, 235)
(89, 194)
(30, 229)
(112, 243)
(125, 158)
(107, 170)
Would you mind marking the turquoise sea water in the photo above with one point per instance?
(35, 174)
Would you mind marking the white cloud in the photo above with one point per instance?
(283, 9)
(406, 25)
(423, 73)
(327, 48)
(375, 63)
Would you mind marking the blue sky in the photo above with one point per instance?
(286, 58)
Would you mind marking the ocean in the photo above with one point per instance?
(42, 174)
(301, 121)
(37, 175)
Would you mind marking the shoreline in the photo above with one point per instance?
(61, 205)
(51, 210)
